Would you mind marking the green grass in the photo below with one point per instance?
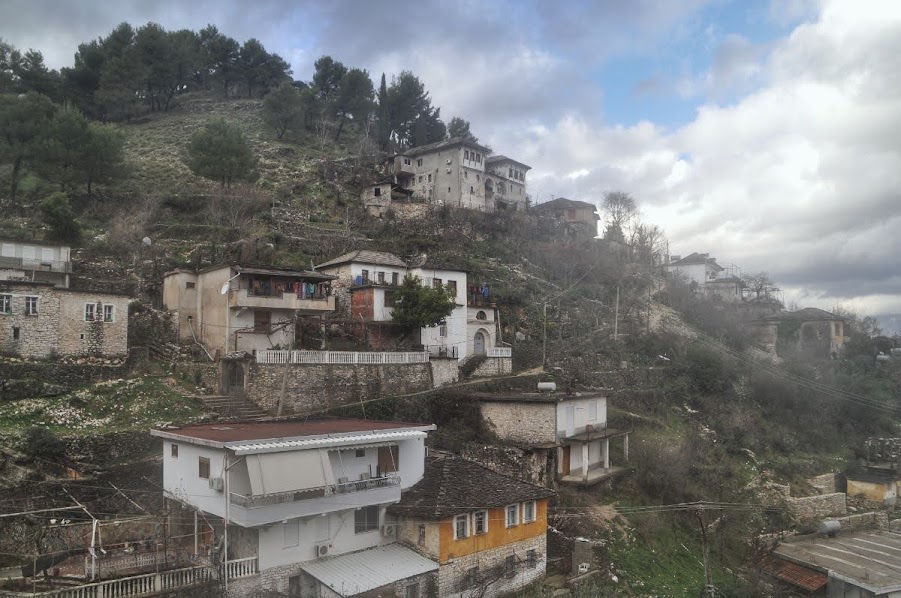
(114, 406)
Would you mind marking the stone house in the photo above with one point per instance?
(486, 531)
(40, 320)
(810, 330)
(230, 308)
(35, 261)
(365, 285)
(461, 174)
(570, 431)
(582, 216)
(300, 503)
(878, 477)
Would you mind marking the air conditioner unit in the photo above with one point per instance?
(342, 480)
(217, 484)
(389, 531)
(322, 549)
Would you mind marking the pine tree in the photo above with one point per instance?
(220, 152)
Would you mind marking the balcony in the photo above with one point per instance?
(18, 263)
(238, 298)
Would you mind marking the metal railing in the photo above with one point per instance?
(341, 357)
(263, 500)
(500, 352)
(35, 264)
(370, 484)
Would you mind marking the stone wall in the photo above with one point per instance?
(530, 423)
(452, 576)
(824, 484)
(315, 387)
(811, 508)
(532, 465)
(494, 366)
(102, 449)
(445, 370)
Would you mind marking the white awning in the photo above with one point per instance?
(249, 448)
(283, 472)
(358, 572)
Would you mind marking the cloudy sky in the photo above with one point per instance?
(765, 133)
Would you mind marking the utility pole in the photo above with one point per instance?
(616, 315)
(544, 340)
(709, 589)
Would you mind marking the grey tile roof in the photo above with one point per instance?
(439, 145)
(808, 314)
(453, 486)
(564, 203)
(363, 256)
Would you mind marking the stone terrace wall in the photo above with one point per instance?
(313, 387)
(490, 562)
(530, 465)
(494, 366)
(811, 508)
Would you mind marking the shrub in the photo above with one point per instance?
(42, 443)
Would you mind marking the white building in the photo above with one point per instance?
(35, 261)
(305, 500)
(704, 275)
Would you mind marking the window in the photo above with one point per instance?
(407, 161)
(378, 191)
(472, 578)
(394, 278)
(448, 189)
(189, 285)
(512, 515)
(31, 306)
(262, 321)
(89, 310)
(480, 522)
(452, 287)
(466, 154)
(173, 451)
(465, 174)
(528, 511)
(412, 591)
(531, 558)
(6, 304)
(108, 312)
(419, 163)
(15, 333)
(570, 214)
(509, 173)
(366, 519)
(420, 178)
(479, 158)
(430, 178)
(510, 567)
(360, 453)
(421, 534)
(478, 178)
(593, 411)
(436, 283)
(203, 469)
(471, 190)
(442, 330)
(480, 315)
(461, 527)
(290, 533)
(390, 298)
(365, 276)
(381, 277)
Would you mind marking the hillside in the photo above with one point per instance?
(710, 423)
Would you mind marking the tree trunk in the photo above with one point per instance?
(14, 179)
(340, 126)
(89, 184)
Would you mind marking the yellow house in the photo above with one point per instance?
(486, 531)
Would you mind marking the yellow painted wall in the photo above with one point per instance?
(498, 533)
(868, 490)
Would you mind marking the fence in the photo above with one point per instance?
(151, 584)
(500, 352)
(341, 357)
(107, 567)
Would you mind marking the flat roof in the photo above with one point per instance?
(869, 559)
(536, 397)
(224, 434)
(365, 570)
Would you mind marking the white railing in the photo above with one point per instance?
(500, 352)
(241, 567)
(359, 485)
(109, 565)
(342, 357)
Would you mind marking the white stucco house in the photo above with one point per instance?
(302, 501)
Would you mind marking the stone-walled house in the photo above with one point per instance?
(809, 330)
(259, 308)
(581, 216)
(461, 174)
(486, 531)
(304, 502)
(569, 430)
(40, 320)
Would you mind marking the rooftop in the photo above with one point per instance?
(223, 434)
(808, 314)
(501, 158)
(867, 559)
(536, 397)
(796, 575)
(562, 203)
(366, 570)
(262, 270)
(364, 256)
(696, 258)
(33, 242)
(453, 486)
(447, 143)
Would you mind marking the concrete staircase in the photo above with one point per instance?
(230, 407)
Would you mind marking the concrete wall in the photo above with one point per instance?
(59, 327)
(886, 492)
(313, 387)
(573, 415)
(528, 423)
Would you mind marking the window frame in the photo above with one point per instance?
(112, 313)
(464, 518)
(475, 523)
(90, 308)
(6, 304)
(173, 450)
(471, 578)
(525, 511)
(367, 525)
(515, 512)
(31, 305)
(203, 463)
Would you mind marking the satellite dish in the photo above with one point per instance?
(224, 289)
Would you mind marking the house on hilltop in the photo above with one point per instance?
(456, 173)
(486, 531)
(581, 215)
(304, 503)
(810, 330)
(704, 275)
(233, 307)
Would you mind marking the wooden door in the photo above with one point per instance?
(387, 459)
(479, 344)
(566, 450)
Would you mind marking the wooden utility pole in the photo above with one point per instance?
(709, 589)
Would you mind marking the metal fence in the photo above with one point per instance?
(341, 357)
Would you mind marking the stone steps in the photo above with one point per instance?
(230, 407)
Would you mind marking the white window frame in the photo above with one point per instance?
(6, 304)
(475, 523)
(593, 411)
(90, 308)
(112, 313)
(526, 517)
(465, 520)
(515, 512)
(32, 303)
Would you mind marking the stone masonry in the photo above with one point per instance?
(494, 366)
(491, 574)
(529, 423)
(43, 321)
(810, 508)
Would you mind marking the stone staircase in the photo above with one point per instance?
(231, 407)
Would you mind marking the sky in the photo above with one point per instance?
(766, 133)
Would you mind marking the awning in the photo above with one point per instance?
(271, 473)
(358, 572)
(249, 448)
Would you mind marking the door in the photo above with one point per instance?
(479, 343)
(565, 469)
(388, 462)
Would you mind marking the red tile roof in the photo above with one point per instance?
(796, 575)
(241, 431)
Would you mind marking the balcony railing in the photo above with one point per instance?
(342, 357)
(245, 298)
(19, 263)
(263, 500)
(500, 352)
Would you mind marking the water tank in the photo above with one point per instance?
(547, 386)
(830, 527)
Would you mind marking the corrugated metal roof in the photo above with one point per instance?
(222, 432)
(284, 445)
(358, 572)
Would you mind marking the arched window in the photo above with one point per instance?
(481, 316)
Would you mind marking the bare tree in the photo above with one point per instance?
(619, 210)
(758, 283)
(649, 243)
